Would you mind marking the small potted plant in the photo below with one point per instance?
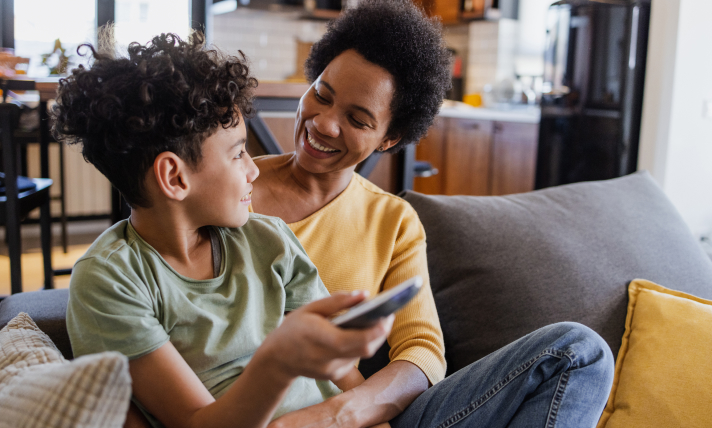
(62, 59)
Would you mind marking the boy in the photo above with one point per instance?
(192, 288)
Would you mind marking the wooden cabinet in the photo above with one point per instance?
(468, 149)
(282, 127)
(478, 157)
(447, 10)
(514, 147)
(432, 149)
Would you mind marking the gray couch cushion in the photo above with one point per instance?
(501, 267)
(47, 308)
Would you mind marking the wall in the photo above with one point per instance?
(532, 36)
(269, 39)
(491, 50)
(676, 140)
(500, 49)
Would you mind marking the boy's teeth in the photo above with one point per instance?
(248, 196)
(318, 146)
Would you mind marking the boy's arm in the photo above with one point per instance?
(306, 344)
(165, 384)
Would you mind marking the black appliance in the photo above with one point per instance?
(594, 69)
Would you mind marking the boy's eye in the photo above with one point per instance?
(239, 155)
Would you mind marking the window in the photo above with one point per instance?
(38, 23)
(140, 20)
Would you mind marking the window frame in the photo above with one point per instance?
(104, 15)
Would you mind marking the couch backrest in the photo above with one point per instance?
(501, 267)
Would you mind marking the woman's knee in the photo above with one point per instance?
(580, 342)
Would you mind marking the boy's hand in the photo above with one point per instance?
(307, 344)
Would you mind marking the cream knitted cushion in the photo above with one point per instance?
(39, 388)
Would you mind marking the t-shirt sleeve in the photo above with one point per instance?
(302, 282)
(111, 310)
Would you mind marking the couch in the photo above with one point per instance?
(502, 267)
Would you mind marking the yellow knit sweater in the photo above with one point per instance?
(368, 239)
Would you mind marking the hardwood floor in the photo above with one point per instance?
(81, 235)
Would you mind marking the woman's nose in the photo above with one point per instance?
(326, 123)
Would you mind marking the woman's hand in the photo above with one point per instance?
(310, 418)
(307, 344)
(317, 416)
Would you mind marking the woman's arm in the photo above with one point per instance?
(352, 379)
(306, 344)
(380, 398)
(416, 347)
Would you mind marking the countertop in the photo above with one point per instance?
(500, 113)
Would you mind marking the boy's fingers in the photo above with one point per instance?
(335, 303)
(360, 342)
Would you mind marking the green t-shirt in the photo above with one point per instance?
(124, 297)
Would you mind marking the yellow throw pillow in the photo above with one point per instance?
(664, 367)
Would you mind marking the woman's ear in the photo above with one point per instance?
(171, 175)
(388, 142)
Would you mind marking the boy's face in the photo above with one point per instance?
(221, 185)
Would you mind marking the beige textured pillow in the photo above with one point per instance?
(39, 388)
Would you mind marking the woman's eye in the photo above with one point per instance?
(358, 124)
(319, 97)
(239, 155)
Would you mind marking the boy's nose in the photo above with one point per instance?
(252, 171)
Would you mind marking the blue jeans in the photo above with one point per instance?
(558, 376)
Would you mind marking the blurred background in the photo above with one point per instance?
(544, 93)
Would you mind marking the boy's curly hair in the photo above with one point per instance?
(167, 95)
(395, 35)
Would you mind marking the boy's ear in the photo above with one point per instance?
(170, 173)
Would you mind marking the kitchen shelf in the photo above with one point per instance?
(322, 14)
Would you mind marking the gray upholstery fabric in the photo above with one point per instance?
(47, 308)
(501, 267)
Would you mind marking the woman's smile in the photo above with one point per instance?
(317, 148)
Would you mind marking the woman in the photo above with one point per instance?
(379, 76)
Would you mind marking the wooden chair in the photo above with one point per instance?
(15, 205)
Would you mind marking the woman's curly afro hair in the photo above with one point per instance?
(395, 35)
(167, 95)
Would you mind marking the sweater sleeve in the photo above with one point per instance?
(416, 335)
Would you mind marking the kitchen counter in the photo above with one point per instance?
(505, 113)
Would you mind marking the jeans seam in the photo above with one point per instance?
(466, 411)
(556, 401)
(560, 389)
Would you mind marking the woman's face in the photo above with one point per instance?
(344, 115)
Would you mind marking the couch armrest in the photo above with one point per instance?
(47, 308)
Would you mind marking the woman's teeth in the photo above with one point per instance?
(247, 197)
(317, 146)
